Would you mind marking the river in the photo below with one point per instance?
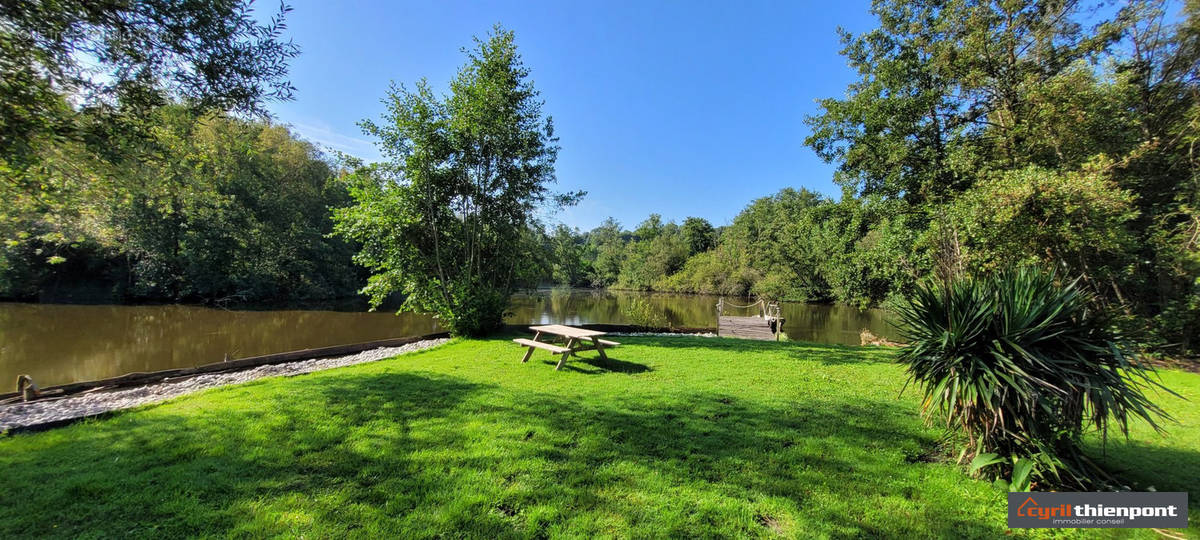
(57, 344)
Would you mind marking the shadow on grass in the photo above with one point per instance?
(421, 454)
(597, 365)
(825, 353)
(221, 471)
(601, 366)
(839, 353)
(1147, 466)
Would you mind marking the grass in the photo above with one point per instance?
(687, 437)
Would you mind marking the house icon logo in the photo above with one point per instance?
(1031, 509)
(1026, 508)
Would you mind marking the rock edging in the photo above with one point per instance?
(49, 413)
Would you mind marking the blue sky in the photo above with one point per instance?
(679, 108)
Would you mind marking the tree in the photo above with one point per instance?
(655, 251)
(213, 208)
(933, 77)
(567, 252)
(609, 248)
(131, 56)
(960, 107)
(445, 221)
(81, 86)
(649, 229)
(232, 209)
(1076, 220)
(699, 235)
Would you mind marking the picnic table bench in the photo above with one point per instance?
(575, 342)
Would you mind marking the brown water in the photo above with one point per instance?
(57, 344)
(835, 324)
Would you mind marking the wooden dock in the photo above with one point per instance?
(746, 327)
(767, 325)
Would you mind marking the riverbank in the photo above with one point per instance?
(673, 436)
(60, 344)
(54, 412)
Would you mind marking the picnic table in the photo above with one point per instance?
(576, 338)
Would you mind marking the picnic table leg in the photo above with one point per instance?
(529, 350)
(563, 360)
(600, 349)
(581, 345)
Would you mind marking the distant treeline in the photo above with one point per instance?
(794, 245)
(131, 168)
(196, 209)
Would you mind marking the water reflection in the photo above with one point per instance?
(836, 324)
(57, 344)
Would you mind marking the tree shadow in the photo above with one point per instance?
(797, 452)
(1147, 466)
(155, 472)
(824, 353)
(414, 453)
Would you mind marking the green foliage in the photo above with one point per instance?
(1177, 248)
(699, 235)
(138, 55)
(120, 166)
(933, 78)
(81, 88)
(656, 251)
(794, 245)
(717, 271)
(1071, 219)
(445, 222)
(1020, 366)
(239, 210)
(1028, 137)
(212, 209)
(606, 245)
(569, 260)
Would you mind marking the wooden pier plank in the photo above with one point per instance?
(745, 327)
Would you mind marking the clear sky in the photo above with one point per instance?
(679, 108)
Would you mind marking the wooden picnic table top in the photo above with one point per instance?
(566, 331)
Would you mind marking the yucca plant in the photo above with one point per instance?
(1020, 365)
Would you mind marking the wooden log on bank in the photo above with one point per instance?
(140, 378)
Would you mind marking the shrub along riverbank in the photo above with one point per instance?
(672, 436)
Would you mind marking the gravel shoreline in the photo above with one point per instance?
(23, 415)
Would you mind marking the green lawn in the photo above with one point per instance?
(687, 437)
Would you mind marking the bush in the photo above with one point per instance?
(1020, 365)
(718, 271)
(641, 312)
